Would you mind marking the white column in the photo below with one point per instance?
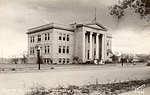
(83, 46)
(103, 47)
(86, 45)
(97, 46)
(91, 46)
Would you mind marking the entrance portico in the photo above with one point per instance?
(93, 45)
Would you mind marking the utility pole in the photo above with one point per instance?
(2, 55)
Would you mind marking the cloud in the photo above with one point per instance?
(131, 42)
(19, 15)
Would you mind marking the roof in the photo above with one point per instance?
(93, 25)
(49, 26)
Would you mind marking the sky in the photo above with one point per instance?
(130, 34)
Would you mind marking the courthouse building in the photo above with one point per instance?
(59, 43)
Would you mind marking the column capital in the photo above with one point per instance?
(97, 34)
(91, 33)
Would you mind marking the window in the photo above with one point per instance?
(107, 54)
(44, 60)
(107, 43)
(39, 38)
(45, 49)
(67, 60)
(48, 36)
(33, 38)
(64, 35)
(63, 49)
(60, 35)
(33, 50)
(68, 37)
(47, 60)
(63, 60)
(59, 50)
(45, 36)
(59, 60)
(88, 55)
(67, 49)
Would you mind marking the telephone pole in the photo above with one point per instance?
(2, 55)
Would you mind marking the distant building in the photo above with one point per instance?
(59, 44)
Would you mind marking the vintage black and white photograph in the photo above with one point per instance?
(74, 47)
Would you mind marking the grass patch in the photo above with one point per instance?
(91, 89)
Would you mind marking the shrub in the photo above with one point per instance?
(13, 69)
(148, 64)
(51, 67)
(39, 90)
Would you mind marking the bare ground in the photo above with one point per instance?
(27, 76)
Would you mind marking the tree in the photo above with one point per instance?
(141, 7)
(114, 58)
(130, 58)
(24, 58)
(76, 59)
(143, 57)
(14, 59)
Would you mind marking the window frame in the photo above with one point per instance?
(39, 38)
(64, 37)
(68, 37)
(64, 49)
(67, 50)
(60, 36)
(59, 49)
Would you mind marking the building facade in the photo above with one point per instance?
(59, 43)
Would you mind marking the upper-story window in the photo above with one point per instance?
(32, 49)
(48, 36)
(63, 49)
(47, 49)
(60, 36)
(32, 39)
(45, 36)
(107, 43)
(64, 36)
(67, 37)
(39, 38)
(59, 50)
(67, 49)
